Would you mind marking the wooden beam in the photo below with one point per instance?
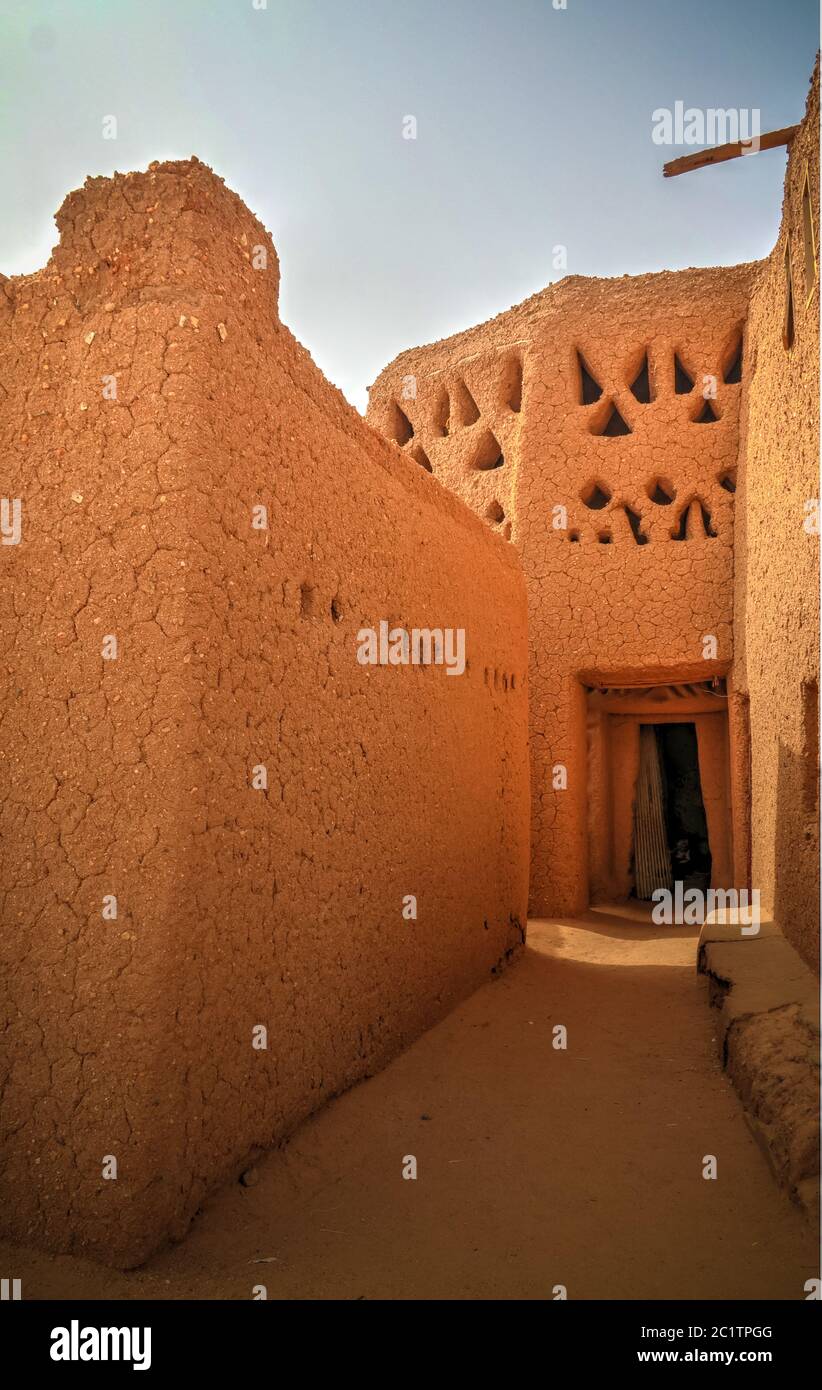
(720, 153)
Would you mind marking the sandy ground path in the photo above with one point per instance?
(536, 1167)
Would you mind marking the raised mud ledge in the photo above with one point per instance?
(768, 1006)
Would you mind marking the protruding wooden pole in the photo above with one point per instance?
(720, 153)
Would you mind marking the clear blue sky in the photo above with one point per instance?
(534, 128)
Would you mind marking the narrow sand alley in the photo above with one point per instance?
(536, 1167)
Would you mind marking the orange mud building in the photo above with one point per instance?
(650, 446)
(239, 870)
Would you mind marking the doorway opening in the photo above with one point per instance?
(670, 840)
(658, 789)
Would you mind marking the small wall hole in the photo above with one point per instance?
(596, 496)
(635, 523)
(513, 384)
(641, 385)
(662, 492)
(615, 425)
(788, 325)
(489, 454)
(707, 415)
(442, 412)
(589, 388)
(707, 523)
(683, 381)
(467, 411)
(733, 372)
(400, 427)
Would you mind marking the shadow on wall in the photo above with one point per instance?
(796, 848)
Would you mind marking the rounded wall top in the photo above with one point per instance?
(176, 224)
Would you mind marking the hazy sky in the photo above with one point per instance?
(533, 129)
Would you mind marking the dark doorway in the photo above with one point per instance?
(670, 826)
(685, 821)
(658, 775)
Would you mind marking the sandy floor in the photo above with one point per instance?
(536, 1167)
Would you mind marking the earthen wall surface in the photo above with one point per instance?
(777, 573)
(236, 649)
(614, 598)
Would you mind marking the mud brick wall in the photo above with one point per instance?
(575, 425)
(151, 401)
(777, 573)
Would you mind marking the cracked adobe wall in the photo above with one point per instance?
(236, 648)
(777, 577)
(576, 425)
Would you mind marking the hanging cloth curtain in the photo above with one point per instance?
(652, 860)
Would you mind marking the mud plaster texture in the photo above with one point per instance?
(768, 1035)
(236, 907)
(602, 1143)
(612, 600)
(777, 570)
